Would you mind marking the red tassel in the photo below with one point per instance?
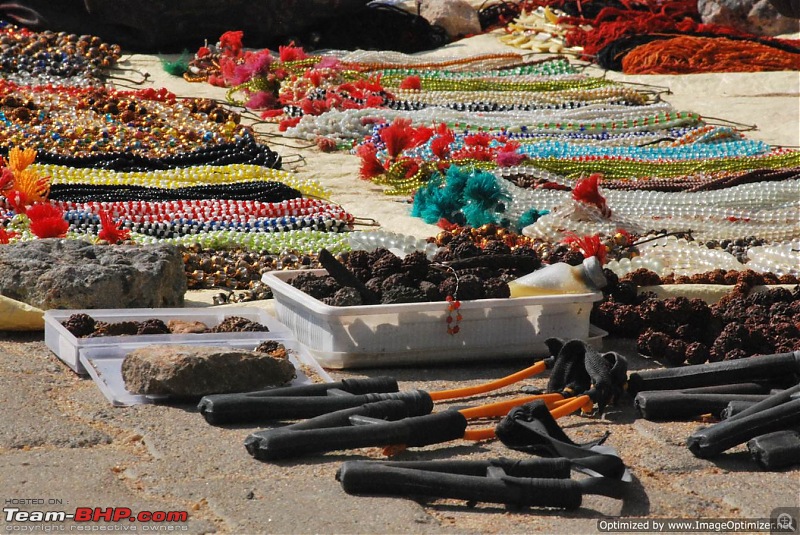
(589, 246)
(397, 137)
(111, 232)
(370, 165)
(587, 190)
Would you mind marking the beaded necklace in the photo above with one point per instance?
(729, 149)
(208, 210)
(767, 210)
(567, 98)
(552, 67)
(243, 150)
(82, 222)
(677, 256)
(265, 191)
(182, 177)
(304, 241)
(783, 258)
(501, 84)
(626, 168)
(355, 124)
(369, 60)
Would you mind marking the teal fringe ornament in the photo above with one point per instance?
(177, 67)
(530, 217)
(468, 195)
(434, 201)
(482, 189)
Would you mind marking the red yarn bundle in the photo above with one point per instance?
(689, 54)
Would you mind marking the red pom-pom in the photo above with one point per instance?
(291, 52)
(411, 82)
(47, 221)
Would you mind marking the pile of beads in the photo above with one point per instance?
(85, 121)
(38, 57)
(242, 150)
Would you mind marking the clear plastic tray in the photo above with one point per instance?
(416, 333)
(104, 366)
(67, 347)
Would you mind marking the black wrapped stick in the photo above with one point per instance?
(777, 450)
(711, 441)
(780, 367)
(285, 443)
(231, 408)
(670, 405)
(366, 478)
(558, 467)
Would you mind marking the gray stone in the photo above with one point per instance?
(190, 371)
(752, 16)
(74, 274)
(457, 17)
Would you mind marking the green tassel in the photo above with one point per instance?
(177, 67)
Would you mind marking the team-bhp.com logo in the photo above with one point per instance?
(95, 514)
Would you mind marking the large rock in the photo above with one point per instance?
(457, 17)
(194, 371)
(57, 273)
(753, 16)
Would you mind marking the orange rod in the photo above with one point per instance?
(539, 367)
(483, 433)
(501, 408)
(571, 406)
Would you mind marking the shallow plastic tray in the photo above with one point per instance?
(67, 347)
(104, 366)
(416, 333)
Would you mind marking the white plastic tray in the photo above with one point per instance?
(416, 333)
(104, 366)
(67, 347)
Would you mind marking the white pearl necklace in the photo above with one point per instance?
(671, 255)
(781, 258)
(350, 124)
(578, 97)
(768, 210)
(452, 62)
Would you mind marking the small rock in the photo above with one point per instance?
(193, 371)
(457, 17)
